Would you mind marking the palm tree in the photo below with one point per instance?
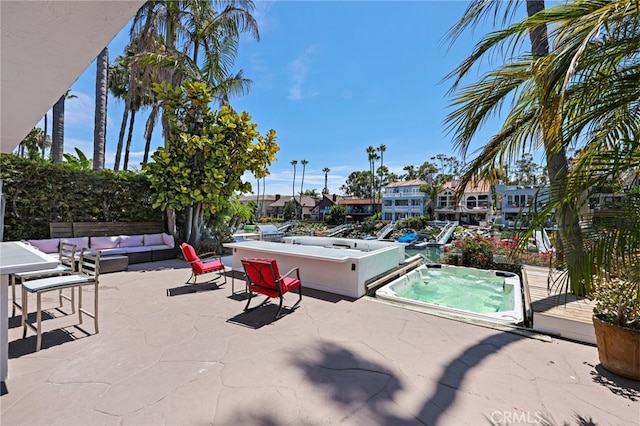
(100, 125)
(472, 108)
(33, 142)
(326, 171)
(264, 188)
(46, 141)
(118, 79)
(57, 140)
(372, 156)
(304, 166)
(293, 196)
(258, 209)
(381, 149)
(199, 28)
(580, 93)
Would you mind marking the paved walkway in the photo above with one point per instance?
(167, 354)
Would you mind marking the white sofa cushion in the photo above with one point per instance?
(168, 240)
(131, 240)
(46, 246)
(153, 239)
(80, 242)
(104, 242)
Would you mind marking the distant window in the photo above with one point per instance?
(472, 202)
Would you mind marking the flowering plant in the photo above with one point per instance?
(477, 252)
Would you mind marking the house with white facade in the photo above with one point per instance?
(403, 199)
(517, 203)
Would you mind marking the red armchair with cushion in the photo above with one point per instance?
(264, 277)
(203, 264)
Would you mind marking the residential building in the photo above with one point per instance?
(263, 203)
(475, 206)
(517, 203)
(323, 207)
(360, 208)
(606, 199)
(403, 199)
(276, 208)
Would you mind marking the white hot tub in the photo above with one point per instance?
(336, 265)
(461, 292)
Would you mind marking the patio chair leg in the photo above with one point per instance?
(13, 295)
(279, 308)
(39, 320)
(71, 299)
(25, 311)
(95, 308)
(80, 305)
(299, 298)
(264, 302)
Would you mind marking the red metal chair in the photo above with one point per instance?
(264, 277)
(203, 264)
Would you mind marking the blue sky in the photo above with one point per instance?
(332, 78)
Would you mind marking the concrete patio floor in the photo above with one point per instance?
(170, 354)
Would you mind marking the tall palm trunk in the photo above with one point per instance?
(100, 125)
(264, 188)
(293, 195)
(258, 200)
(304, 166)
(570, 245)
(129, 137)
(44, 135)
(57, 140)
(148, 131)
(123, 129)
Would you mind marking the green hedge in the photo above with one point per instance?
(38, 192)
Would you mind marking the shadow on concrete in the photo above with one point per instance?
(626, 388)
(355, 383)
(259, 317)
(21, 347)
(193, 288)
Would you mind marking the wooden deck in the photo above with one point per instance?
(556, 313)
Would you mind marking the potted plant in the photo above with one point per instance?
(616, 321)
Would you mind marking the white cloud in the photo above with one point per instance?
(298, 69)
(79, 112)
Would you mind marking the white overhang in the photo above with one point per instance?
(45, 47)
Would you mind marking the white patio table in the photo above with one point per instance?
(15, 256)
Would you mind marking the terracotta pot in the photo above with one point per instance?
(618, 348)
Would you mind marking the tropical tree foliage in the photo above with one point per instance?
(79, 161)
(207, 154)
(32, 145)
(337, 214)
(358, 184)
(191, 39)
(583, 93)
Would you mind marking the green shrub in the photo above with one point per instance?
(38, 192)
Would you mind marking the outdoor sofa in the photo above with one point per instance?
(137, 248)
